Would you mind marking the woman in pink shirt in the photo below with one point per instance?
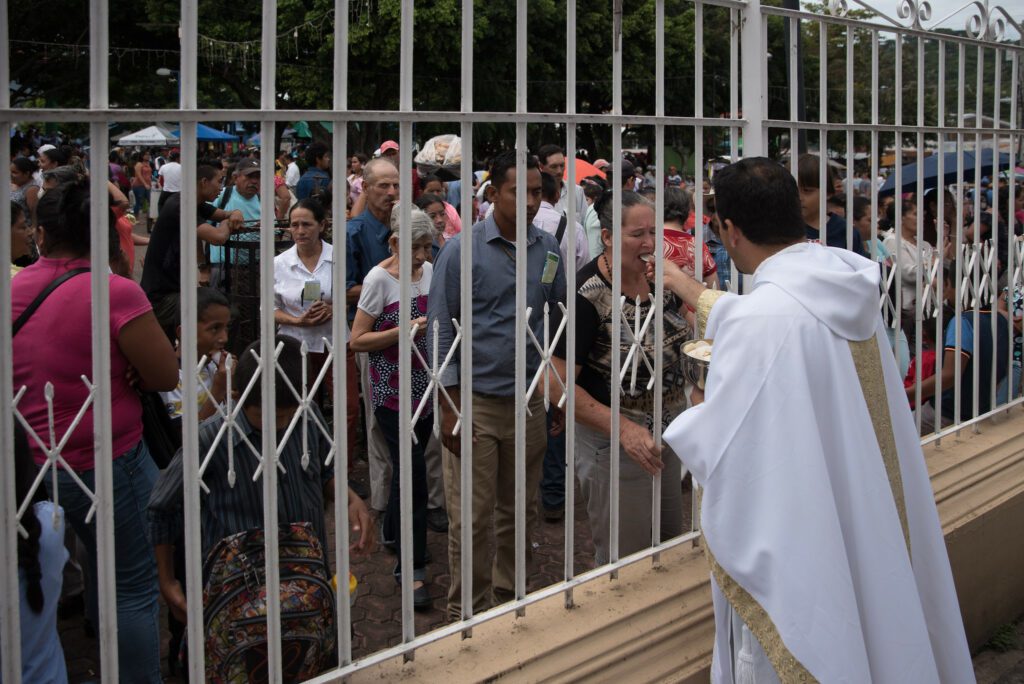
(142, 180)
(54, 347)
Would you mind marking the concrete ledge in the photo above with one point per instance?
(655, 623)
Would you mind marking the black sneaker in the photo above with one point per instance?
(437, 519)
(389, 544)
(421, 598)
(553, 515)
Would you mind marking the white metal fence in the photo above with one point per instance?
(751, 126)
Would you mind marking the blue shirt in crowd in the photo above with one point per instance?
(494, 303)
(367, 241)
(312, 183)
(985, 357)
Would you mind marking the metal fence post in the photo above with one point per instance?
(755, 140)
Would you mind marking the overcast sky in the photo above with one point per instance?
(941, 8)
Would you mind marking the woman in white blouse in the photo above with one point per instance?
(302, 282)
(906, 255)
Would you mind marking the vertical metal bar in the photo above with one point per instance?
(617, 183)
(823, 175)
(268, 379)
(734, 98)
(698, 61)
(940, 225)
(849, 138)
(339, 326)
(874, 144)
(659, 267)
(960, 106)
(698, 132)
(187, 96)
(976, 271)
(754, 141)
(1012, 242)
(404, 325)
(993, 275)
(10, 623)
(898, 195)
(102, 434)
(922, 268)
(466, 310)
(570, 303)
(521, 321)
(794, 93)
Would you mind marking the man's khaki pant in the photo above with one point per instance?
(494, 488)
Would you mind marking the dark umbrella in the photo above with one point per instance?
(931, 170)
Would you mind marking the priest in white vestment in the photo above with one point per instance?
(827, 558)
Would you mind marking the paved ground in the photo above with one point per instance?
(376, 615)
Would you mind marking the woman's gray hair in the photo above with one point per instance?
(64, 174)
(678, 204)
(629, 199)
(420, 225)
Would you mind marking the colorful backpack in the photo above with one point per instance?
(235, 608)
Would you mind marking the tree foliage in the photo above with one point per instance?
(49, 64)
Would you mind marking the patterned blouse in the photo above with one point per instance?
(380, 299)
(594, 349)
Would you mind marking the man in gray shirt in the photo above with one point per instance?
(493, 340)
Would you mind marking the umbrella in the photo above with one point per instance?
(151, 135)
(584, 169)
(930, 170)
(206, 134)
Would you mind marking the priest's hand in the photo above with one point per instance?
(640, 446)
(679, 283)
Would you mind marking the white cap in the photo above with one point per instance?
(45, 148)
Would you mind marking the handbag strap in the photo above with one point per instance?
(54, 284)
(562, 222)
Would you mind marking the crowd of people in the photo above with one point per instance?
(50, 247)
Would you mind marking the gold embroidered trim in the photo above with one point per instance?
(706, 300)
(757, 620)
(868, 362)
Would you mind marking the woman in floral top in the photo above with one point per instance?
(376, 330)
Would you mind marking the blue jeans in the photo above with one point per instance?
(552, 483)
(138, 634)
(139, 193)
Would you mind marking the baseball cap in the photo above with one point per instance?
(247, 166)
(45, 148)
(388, 145)
(601, 164)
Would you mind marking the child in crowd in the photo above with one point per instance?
(41, 558)
(211, 339)
(21, 239)
(232, 503)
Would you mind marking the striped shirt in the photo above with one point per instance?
(228, 510)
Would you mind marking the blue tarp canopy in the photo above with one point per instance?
(930, 170)
(207, 134)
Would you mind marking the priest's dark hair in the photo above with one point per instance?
(760, 197)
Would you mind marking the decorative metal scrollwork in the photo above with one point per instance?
(985, 22)
(838, 8)
(916, 12)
